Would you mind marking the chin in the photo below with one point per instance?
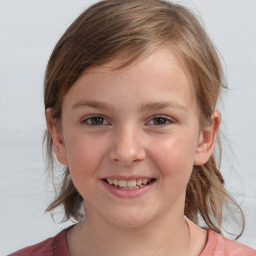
(130, 219)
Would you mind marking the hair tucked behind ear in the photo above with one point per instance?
(128, 30)
(69, 198)
(206, 195)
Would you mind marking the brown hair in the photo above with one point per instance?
(131, 28)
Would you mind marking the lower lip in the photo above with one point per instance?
(125, 193)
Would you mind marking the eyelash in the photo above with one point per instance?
(166, 121)
(162, 118)
(85, 121)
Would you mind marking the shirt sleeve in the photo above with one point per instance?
(218, 245)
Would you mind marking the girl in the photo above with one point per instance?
(130, 96)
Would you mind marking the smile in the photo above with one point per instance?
(124, 187)
(129, 184)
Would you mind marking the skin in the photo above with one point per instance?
(132, 138)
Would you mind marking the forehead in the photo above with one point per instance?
(164, 55)
(158, 75)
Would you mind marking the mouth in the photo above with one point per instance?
(133, 184)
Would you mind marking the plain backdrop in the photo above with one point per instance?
(29, 29)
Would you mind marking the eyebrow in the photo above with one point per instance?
(144, 107)
(161, 105)
(93, 104)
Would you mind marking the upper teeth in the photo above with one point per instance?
(129, 183)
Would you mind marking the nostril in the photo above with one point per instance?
(126, 149)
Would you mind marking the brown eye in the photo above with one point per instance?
(95, 120)
(159, 121)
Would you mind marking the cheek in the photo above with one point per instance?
(174, 158)
(84, 156)
(82, 149)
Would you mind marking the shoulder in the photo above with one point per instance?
(54, 246)
(42, 248)
(218, 245)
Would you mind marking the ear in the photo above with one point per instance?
(207, 140)
(57, 138)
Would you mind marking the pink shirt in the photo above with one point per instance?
(216, 245)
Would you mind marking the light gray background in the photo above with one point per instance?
(29, 30)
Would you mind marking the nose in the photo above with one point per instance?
(127, 146)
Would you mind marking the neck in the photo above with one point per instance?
(168, 236)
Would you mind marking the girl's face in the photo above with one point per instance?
(131, 138)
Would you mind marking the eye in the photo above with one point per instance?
(95, 120)
(160, 121)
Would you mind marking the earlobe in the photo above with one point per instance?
(57, 139)
(207, 140)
